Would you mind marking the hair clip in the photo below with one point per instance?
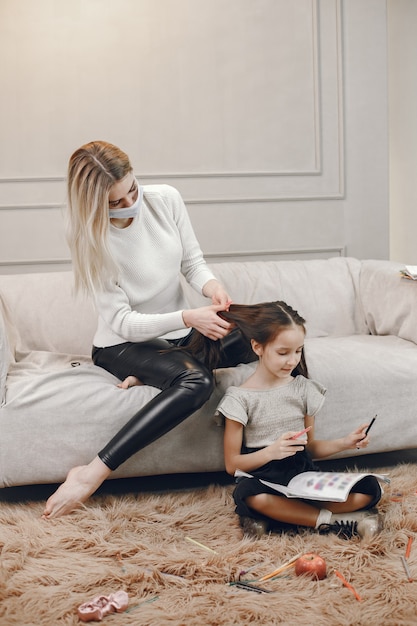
(100, 606)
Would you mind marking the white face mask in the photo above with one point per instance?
(129, 211)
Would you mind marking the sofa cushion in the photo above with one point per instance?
(366, 375)
(72, 412)
(48, 317)
(4, 356)
(389, 300)
(46, 314)
(8, 338)
(324, 291)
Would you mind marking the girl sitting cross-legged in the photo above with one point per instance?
(262, 416)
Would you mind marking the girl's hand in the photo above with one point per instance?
(285, 446)
(357, 439)
(207, 322)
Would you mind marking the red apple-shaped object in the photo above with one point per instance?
(312, 565)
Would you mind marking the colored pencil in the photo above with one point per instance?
(406, 569)
(409, 544)
(282, 568)
(201, 545)
(348, 585)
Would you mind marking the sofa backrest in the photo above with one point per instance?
(47, 315)
(324, 291)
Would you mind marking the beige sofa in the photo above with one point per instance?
(58, 409)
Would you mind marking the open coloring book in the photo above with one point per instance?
(326, 486)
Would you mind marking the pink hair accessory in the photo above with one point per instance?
(100, 606)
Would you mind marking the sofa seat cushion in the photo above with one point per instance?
(76, 411)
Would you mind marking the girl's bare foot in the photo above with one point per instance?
(130, 381)
(80, 484)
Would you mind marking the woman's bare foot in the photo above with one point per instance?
(130, 381)
(80, 484)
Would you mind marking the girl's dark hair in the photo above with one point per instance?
(261, 322)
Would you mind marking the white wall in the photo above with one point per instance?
(270, 116)
(403, 128)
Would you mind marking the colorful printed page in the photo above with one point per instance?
(328, 486)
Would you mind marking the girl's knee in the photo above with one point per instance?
(355, 502)
(362, 500)
(258, 501)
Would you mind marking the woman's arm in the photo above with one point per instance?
(234, 459)
(115, 309)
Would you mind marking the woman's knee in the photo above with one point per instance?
(197, 382)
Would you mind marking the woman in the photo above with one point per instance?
(130, 245)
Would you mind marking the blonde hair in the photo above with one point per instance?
(92, 171)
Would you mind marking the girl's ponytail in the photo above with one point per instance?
(261, 322)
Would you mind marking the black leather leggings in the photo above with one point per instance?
(185, 384)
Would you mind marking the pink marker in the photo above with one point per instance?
(301, 433)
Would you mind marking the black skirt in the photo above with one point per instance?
(281, 472)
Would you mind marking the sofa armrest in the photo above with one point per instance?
(389, 301)
(7, 346)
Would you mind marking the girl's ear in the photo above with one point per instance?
(256, 347)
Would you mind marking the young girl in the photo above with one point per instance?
(262, 416)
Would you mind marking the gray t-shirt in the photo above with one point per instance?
(267, 413)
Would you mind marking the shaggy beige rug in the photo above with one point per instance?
(176, 554)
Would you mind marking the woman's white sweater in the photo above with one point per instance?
(152, 252)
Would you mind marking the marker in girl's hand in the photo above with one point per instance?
(370, 425)
(368, 429)
(301, 433)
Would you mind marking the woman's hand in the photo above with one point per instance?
(207, 322)
(218, 294)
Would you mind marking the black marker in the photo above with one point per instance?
(368, 429)
(249, 587)
(370, 425)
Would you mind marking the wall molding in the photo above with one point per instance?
(242, 254)
(260, 200)
(278, 254)
(31, 207)
(16, 263)
(32, 179)
(169, 175)
(192, 201)
(331, 150)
